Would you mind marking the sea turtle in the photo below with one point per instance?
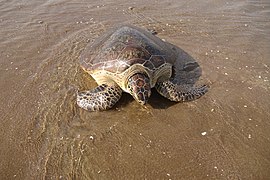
(133, 60)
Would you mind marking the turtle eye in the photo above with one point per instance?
(129, 88)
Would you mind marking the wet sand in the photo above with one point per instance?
(45, 135)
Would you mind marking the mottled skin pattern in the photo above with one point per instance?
(180, 93)
(139, 87)
(104, 97)
(101, 98)
(132, 60)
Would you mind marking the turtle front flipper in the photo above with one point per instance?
(180, 93)
(101, 98)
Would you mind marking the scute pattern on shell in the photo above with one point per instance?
(120, 49)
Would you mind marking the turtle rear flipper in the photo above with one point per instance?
(101, 98)
(180, 93)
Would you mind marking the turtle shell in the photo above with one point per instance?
(124, 46)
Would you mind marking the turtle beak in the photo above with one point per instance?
(143, 95)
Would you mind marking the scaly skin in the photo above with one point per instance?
(139, 87)
(104, 97)
(101, 98)
(180, 93)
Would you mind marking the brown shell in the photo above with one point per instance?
(120, 48)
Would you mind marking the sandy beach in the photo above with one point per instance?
(45, 135)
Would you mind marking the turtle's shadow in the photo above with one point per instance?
(124, 100)
(159, 102)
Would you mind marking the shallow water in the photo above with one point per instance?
(223, 135)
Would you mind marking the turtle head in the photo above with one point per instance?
(139, 87)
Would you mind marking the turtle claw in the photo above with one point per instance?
(101, 98)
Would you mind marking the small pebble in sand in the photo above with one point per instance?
(215, 167)
(249, 87)
(249, 119)
(40, 22)
(91, 137)
(226, 74)
(168, 174)
(212, 110)
(246, 25)
(130, 8)
(218, 51)
(227, 58)
(245, 106)
(203, 133)
(218, 67)
(260, 77)
(249, 136)
(206, 53)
